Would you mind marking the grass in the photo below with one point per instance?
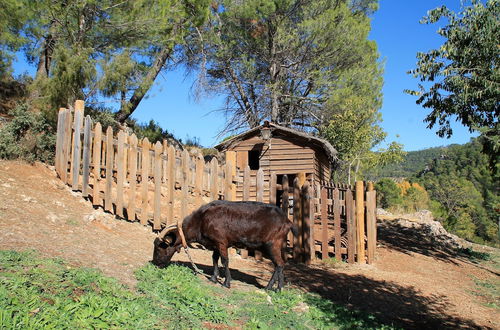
(473, 255)
(48, 293)
(489, 291)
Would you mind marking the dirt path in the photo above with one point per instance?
(412, 284)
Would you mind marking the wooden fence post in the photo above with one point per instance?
(185, 184)
(77, 147)
(297, 220)
(351, 226)
(324, 223)
(170, 183)
(66, 146)
(120, 173)
(108, 200)
(200, 168)
(96, 194)
(371, 224)
(214, 189)
(228, 172)
(87, 148)
(260, 198)
(145, 181)
(59, 140)
(285, 204)
(246, 197)
(272, 188)
(360, 220)
(307, 224)
(132, 163)
(336, 222)
(157, 194)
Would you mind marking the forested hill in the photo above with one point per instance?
(414, 162)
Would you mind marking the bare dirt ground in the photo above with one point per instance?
(413, 284)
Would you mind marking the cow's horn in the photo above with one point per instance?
(165, 231)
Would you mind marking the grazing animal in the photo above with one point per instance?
(223, 224)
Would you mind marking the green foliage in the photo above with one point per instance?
(355, 133)
(178, 288)
(12, 19)
(464, 72)
(466, 191)
(388, 194)
(29, 136)
(48, 293)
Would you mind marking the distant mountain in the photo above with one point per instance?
(414, 163)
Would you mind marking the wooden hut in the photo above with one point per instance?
(281, 150)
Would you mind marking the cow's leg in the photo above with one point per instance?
(215, 259)
(225, 262)
(276, 255)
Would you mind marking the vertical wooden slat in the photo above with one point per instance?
(246, 197)
(87, 143)
(260, 198)
(200, 168)
(371, 225)
(170, 184)
(120, 173)
(96, 191)
(260, 185)
(214, 189)
(285, 203)
(145, 180)
(132, 164)
(157, 177)
(185, 184)
(307, 224)
(228, 171)
(66, 146)
(59, 140)
(272, 188)
(297, 220)
(108, 201)
(351, 226)
(164, 162)
(77, 147)
(360, 221)
(336, 223)
(324, 223)
(246, 183)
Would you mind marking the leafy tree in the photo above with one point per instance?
(12, 20)
(464, 72)
(388, 194)
(292, 61)
(355, 133)
(101, 51)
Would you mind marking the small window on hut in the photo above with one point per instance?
(253, 159)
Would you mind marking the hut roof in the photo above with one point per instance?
(283, 131)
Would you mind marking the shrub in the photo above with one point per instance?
(29, 136)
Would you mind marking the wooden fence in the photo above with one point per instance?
(158, 184)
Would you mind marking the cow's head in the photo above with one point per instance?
(165, 245)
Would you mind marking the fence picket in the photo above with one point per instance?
(120, 173)
(360, 221)
(157, 177)
(185, 184)
(307, 224)
(77, 145)
(214, 189)
(145, 181)
(87, 144)
(66, 146)
(96, 155)
(336, 224)
(170, 183)
(351, 226)
(108, 202)
(132, 163)
(371, 224)
(324, 223)
(297, 220)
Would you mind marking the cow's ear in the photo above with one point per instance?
(160, 243)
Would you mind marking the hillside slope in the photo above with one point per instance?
(413, 284)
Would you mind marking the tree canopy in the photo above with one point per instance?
(461, 79)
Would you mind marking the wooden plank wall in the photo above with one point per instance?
(135, 179)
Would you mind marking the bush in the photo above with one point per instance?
(29, 135)
(388, 194)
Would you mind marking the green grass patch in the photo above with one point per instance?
(49, 293)
(490, 291)
(475, 256)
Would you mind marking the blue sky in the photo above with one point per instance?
(395, 28)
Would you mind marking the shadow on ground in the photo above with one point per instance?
(388, 302)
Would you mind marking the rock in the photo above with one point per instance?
(301, 307)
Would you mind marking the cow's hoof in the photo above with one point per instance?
(227, 285)
(213, 279)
